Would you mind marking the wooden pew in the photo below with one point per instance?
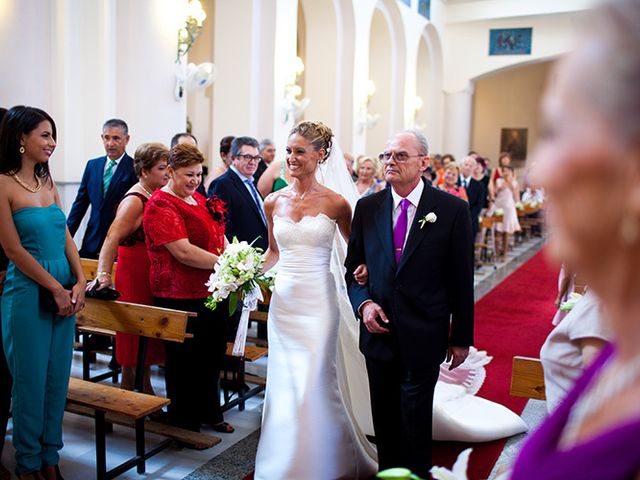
(90, 269)
(527, 378)
(110, 404)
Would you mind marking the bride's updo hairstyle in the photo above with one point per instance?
(317, 134)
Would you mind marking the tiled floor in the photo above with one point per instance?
(78, 455)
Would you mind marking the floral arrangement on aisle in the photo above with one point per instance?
(238, 277)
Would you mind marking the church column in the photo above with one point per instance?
(458, 117)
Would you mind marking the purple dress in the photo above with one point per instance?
(612, 455)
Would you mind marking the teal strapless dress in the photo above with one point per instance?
(38, 345)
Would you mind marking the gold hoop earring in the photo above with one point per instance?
(21, 150)
(629, 230)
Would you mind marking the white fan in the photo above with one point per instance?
(194, 77)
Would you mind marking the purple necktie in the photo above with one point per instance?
(400, 230)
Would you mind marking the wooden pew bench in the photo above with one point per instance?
(134, 406)
(111, 405)
(527, 378)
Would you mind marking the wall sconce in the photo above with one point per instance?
(416, 105)
(194, 18)
(292, 107)
(365, 119)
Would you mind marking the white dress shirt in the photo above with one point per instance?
(414, 199)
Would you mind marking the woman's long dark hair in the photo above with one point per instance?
(18, 121)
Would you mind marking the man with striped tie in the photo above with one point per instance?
(104, 182)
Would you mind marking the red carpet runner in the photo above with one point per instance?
(512, 319)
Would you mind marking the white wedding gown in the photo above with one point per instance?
(308, 426)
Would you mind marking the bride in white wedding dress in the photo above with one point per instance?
(317, 409)
(308, 427)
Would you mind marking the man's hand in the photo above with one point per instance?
(371, 312)
(361, 274)
(457, 355)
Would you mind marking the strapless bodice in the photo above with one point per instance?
(305, 246)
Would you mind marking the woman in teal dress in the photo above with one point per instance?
(43, 258)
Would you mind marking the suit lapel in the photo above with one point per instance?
(384, 224)
(242, 188)
(417, 234)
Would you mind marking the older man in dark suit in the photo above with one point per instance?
(104, 182)
(476, 193)
(417, 307)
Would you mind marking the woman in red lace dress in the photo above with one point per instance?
(185, 235)
(126, 237)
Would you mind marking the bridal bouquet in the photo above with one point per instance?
(238, 277)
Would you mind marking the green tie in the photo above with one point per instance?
(106, 179)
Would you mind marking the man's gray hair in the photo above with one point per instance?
(265, 142)
(423, 147)
(116, 123)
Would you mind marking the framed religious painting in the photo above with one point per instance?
(514, 141)
(510, 41)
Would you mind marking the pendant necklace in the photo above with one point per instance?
(35, 189)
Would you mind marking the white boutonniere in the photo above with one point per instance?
(428, 218)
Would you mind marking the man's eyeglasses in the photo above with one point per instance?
(398, 157)
(248, 157)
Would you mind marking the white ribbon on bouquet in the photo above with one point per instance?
(249, 304)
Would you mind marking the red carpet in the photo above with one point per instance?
(512, 319)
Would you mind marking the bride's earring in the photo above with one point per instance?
(21, 149)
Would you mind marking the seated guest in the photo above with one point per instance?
(126, 240)
(571, 347)
(507, 194)
(589, 165)
(225, 155)
(449, 182)
(504, 160)
(349, 161)
(274, 178)
(367, 182)
(44, 264)
(184, 235)
(245, 211)
(268, 154)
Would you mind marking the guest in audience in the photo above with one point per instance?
(190, 139)
(268, 154)
(507, 194)
(185, 235)
(225, 155)
(104, 183)
(449, 182)
(184, 137)
(44, 262)
(436, 165)
(589, 164)
(446, 159)
(5, 375)
(126, 240)
(350, 162)
(504, 160)
(274, 178)
(368, 170)
(480, 174)
(571, 347)
(245, 211)
(476, 193)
